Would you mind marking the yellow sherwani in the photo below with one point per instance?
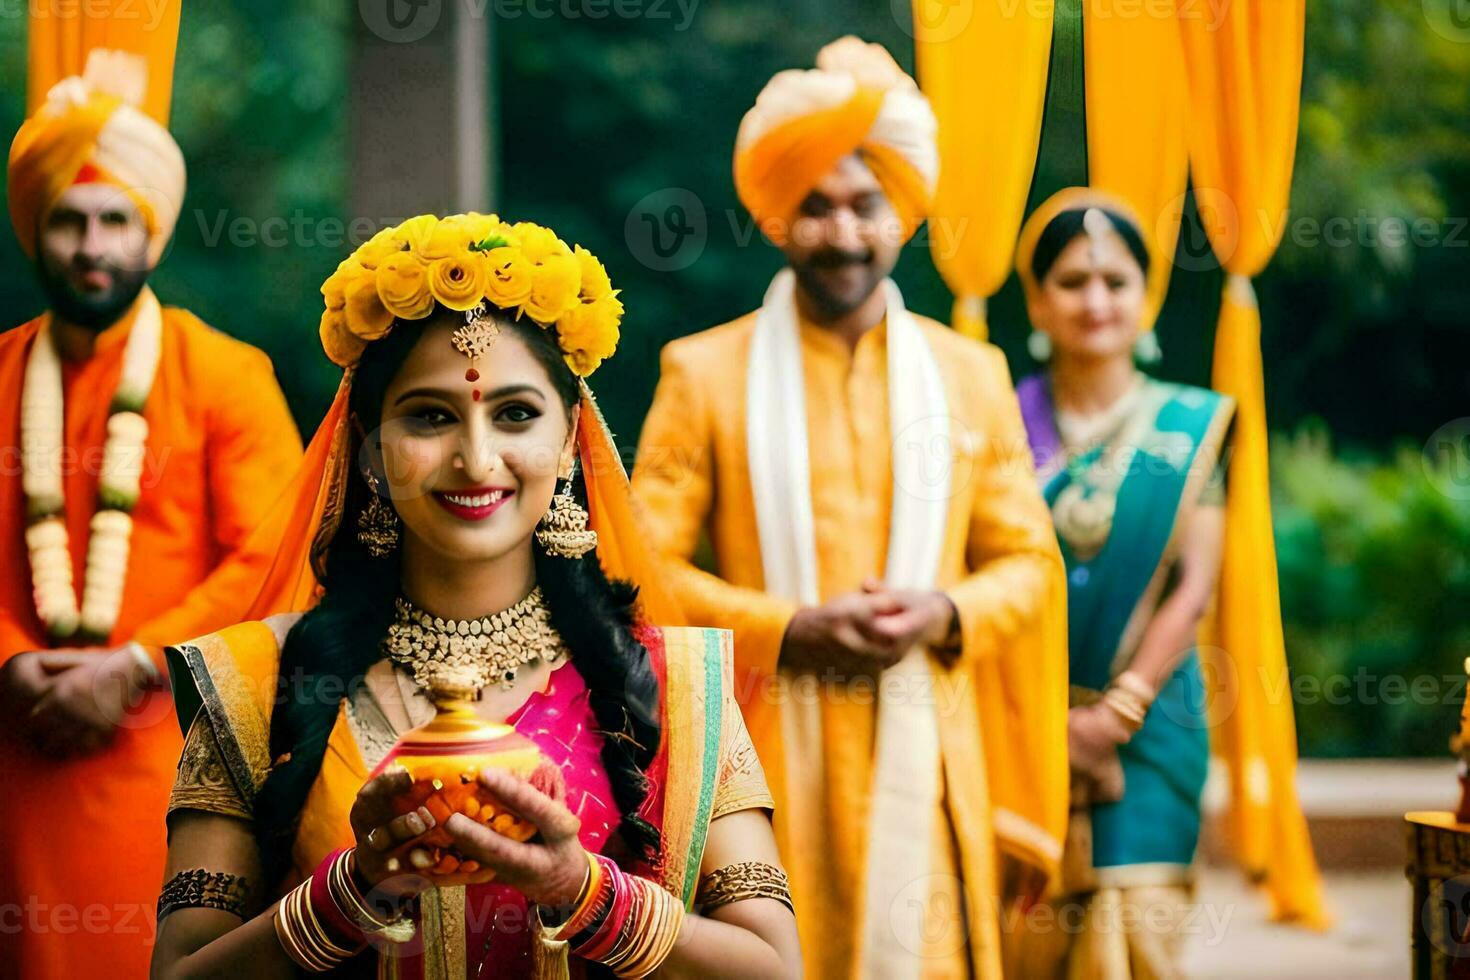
(999, 565)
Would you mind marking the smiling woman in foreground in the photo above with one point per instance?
(442, 512)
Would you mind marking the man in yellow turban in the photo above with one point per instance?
(144, 447)
(880, 548)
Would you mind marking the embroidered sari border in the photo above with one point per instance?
(240, 729)
(1202, 464)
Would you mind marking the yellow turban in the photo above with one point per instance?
(857, 99)
(90, 129)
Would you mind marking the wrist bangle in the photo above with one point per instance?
(331, 910)
(303, 936)
(1134, 684)
(362, 915)
(639, 928)
(586, 897)
(1127, 706)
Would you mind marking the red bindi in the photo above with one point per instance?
(472, 375)
(475, 394)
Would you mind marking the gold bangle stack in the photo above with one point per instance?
(344, 892)
(1137, 686)
(302, 936)
(649, 933)
(1130, 697)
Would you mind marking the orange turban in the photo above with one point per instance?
(857, 99)
(90, 128)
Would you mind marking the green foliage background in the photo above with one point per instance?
(1364, 341)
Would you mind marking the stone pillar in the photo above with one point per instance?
(419, 118)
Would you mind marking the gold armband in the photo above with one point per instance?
(737, 882)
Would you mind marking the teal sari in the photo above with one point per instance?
(1117, 509)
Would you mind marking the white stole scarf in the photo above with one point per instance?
(906, 769)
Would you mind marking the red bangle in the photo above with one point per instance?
(606, 936)
(342, 928)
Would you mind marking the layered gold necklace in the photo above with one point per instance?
(460, 654)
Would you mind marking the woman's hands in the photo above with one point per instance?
(381, 831)
(1094, 732)
(551, 868)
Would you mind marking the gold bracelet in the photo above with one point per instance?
(344, 892)
(738, 882)
(302, 936)
(591, 887)
(665, 935)
(294, 952)
(301, 930)
(292, 943)
(655, 928)
(318, 933)
(1134, 684)
(1127, 707)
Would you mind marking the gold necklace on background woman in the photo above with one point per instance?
(1084, 509)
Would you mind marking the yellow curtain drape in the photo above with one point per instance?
(984, 68)
(61, 35)
(1245, 74)
(1137, 122)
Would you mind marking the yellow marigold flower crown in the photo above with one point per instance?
(468, 262)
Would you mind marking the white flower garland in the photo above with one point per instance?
(42, 432)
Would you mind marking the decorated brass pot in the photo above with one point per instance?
(445, 758)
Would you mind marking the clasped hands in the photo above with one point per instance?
(70, 701)
(865, 632)
(1094, 733)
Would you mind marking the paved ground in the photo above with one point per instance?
(1370, 940)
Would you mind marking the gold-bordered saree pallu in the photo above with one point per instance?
(235, 675)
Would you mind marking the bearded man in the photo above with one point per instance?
(880, 547)
(142, 448)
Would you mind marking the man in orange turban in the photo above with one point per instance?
(142, 449)
(880, 548)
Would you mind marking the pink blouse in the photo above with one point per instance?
(561, 722)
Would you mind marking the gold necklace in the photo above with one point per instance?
(468, 654)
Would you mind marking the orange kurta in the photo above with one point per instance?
(84, 838)
(998, 564)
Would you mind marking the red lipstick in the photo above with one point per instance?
(474, 504)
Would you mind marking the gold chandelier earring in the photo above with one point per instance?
(563, 530)
(377, 525)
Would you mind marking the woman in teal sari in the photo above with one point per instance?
(1131, 468)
